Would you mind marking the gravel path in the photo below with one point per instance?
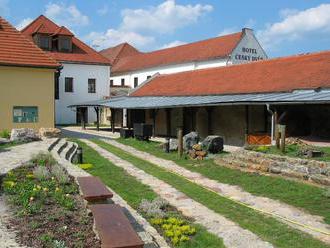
(17, 155)
(149, 234)
(232, 234)
(238, 194)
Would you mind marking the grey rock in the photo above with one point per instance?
(189, 140)
(213, 144)
(24, 135)
(4, 141)
(173, 144)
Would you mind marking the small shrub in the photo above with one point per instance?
(155, 208)
(60, 174)
(263, 149)
(174, 229)
(85, 166)
(41, 173)
(43, 159)
(59, 244)
(5, 134)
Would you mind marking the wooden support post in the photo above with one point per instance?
(209, 120)
(282, 131)
(180, 142)
(277, 132)
(247, 119)
(154, 115)
(168, 122)
(82, 118)
(97, 110)
(113, 120)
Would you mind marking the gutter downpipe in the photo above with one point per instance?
(273, 124)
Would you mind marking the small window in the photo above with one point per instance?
(136, 82)
(91, 85)
(25, 114)
(68, 84)
(111, 82)
(123, 82)
(44, 42)
(148, 77)
(65, 44)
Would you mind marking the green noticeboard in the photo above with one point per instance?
(25, 114)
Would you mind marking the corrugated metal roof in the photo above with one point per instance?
(295, 97)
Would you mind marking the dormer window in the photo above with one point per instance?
(64, 44)
(44, 42)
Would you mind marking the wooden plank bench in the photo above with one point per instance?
(93, 189)
(113, 227)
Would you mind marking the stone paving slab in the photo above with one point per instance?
(232, 234)
(149, 234)
(238, 194)
(15, 156)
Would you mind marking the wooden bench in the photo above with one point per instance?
(93, 189)
(113, 227)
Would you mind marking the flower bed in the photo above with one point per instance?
(47, 208)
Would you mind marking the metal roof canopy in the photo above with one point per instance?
(157, 102)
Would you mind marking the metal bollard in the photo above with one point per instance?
(80, 155)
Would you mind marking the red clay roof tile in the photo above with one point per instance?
(218, 47)
(119, 51)
(81, 53)
(286, 74)
(18, 50)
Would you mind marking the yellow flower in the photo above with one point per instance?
(53, 178)
(30, 175)
(67, 195)
(10, 184)
(45, 189)
(57, 189)
(31, 198)
(38, 187)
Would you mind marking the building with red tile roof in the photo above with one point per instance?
(301, 72)
(16, 49)
(26, 81)
(85, 72)
(132, 67)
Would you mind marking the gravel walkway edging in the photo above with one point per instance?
(238, 194)
(150, 233)
(232, 234)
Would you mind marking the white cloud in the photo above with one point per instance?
(103, 11)
(173, 44)
(67, 15)
(23, 23)
(4, 9)
(164, 18)
(297, 25)
(227, 31)
(113, 37)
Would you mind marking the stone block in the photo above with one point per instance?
(213, 144)
(49, 132)
(189, 140)
(24, 135)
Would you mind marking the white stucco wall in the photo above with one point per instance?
(168, 69)
(80, 74)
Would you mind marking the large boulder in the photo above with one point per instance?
(189, 140)
(213, 144)
(24, 135)
(49, 132)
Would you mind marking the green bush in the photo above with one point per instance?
(5, 134)
(43, 159)
(60, 174)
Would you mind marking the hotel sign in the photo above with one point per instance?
(248, 54)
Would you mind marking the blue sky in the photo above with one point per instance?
(283, 27)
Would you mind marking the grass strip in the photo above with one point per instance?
(133, 191)
(267, 228)
(310, 198)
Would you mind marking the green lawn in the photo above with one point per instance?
(310, 198)
(134, 191)
(293, 151)
(268, 228)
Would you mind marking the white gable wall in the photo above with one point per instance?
(80, 74)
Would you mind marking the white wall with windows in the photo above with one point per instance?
(142, 75)
(89, 83)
